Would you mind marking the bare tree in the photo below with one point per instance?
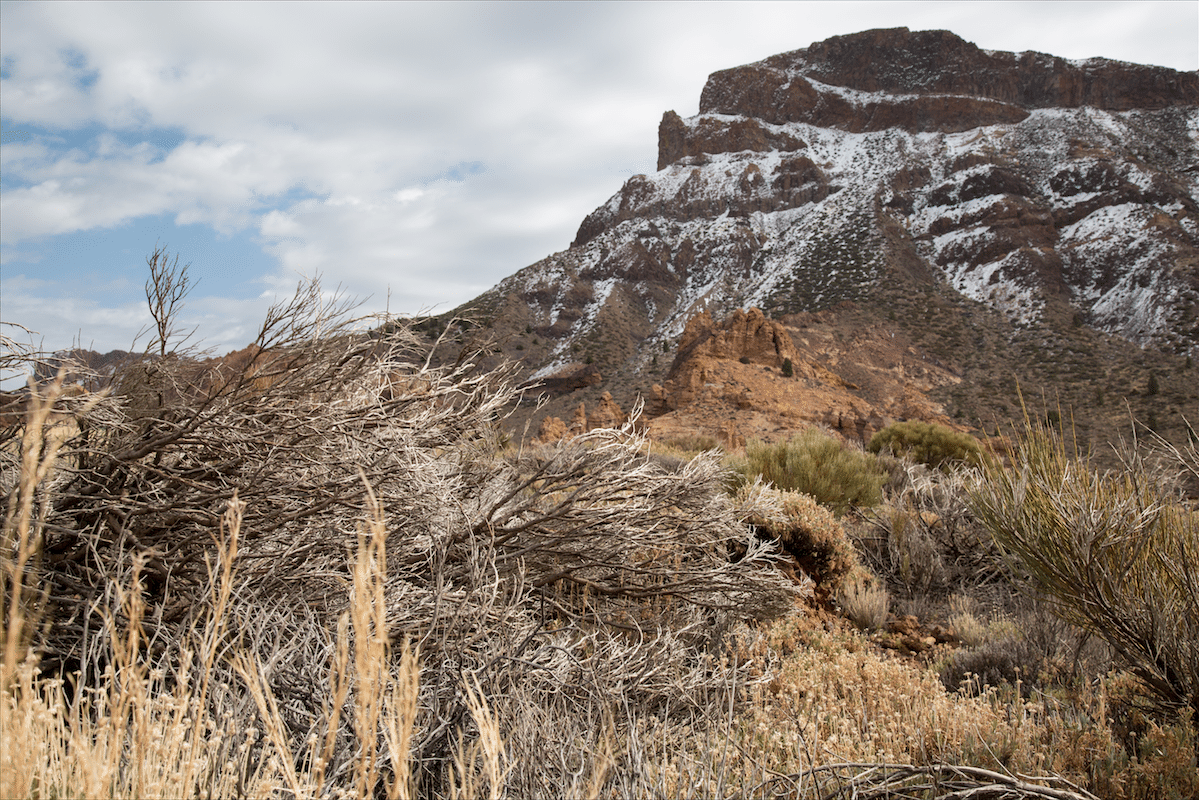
(166, 289)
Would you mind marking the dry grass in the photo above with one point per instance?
(964, 621)
(562, 621)
(836, 713)
(865, 602)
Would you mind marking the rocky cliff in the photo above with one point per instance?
(931, 81)
(878, 166)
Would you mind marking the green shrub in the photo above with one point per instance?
(927, 443)
(1115, 553)
(788, 368)
(815, 463)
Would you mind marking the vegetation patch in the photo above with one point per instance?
(1117, 553)
(815, 463)
(318, 568)
(927, 443)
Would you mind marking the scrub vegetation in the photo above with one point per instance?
(927, 443)
(319, 568)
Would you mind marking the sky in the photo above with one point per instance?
(408, 155)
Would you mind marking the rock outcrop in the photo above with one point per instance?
(748, 377)
(714, 135)
(931, 81)
(745, 337)
(1042, 188)
(606, 415)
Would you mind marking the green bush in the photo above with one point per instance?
(815, 463)
(788, 368)
(1116, 554)
(927, 443)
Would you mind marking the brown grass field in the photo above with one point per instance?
(328, 574)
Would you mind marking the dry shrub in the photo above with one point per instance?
(419, 615)
(674, 452)
(1008, 660)
(925, 539)
(1024, 645)
(1115, 553)
(806, 530)
(535, 587)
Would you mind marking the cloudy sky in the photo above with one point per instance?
(412, 154)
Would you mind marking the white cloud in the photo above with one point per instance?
(423, 148)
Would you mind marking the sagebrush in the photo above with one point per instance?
(814, 463)
(549, 576)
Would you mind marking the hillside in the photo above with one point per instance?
(1012, 219)
(318, 566)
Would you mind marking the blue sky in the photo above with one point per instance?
(412, 154)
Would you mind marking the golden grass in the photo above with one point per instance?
(834, 701)
(147, 733)
(805, 713)
(865, 601)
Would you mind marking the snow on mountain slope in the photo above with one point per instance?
(785, 205)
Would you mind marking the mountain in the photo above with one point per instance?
(999, 213)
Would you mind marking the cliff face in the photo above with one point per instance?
(1040, 187)
(749, 377)
(931, 81)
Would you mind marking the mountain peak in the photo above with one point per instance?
(888, 171)
(931, 81)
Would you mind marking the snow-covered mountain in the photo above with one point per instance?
(1022, 181)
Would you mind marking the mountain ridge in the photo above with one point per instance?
(797, 196)
(932, 267)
